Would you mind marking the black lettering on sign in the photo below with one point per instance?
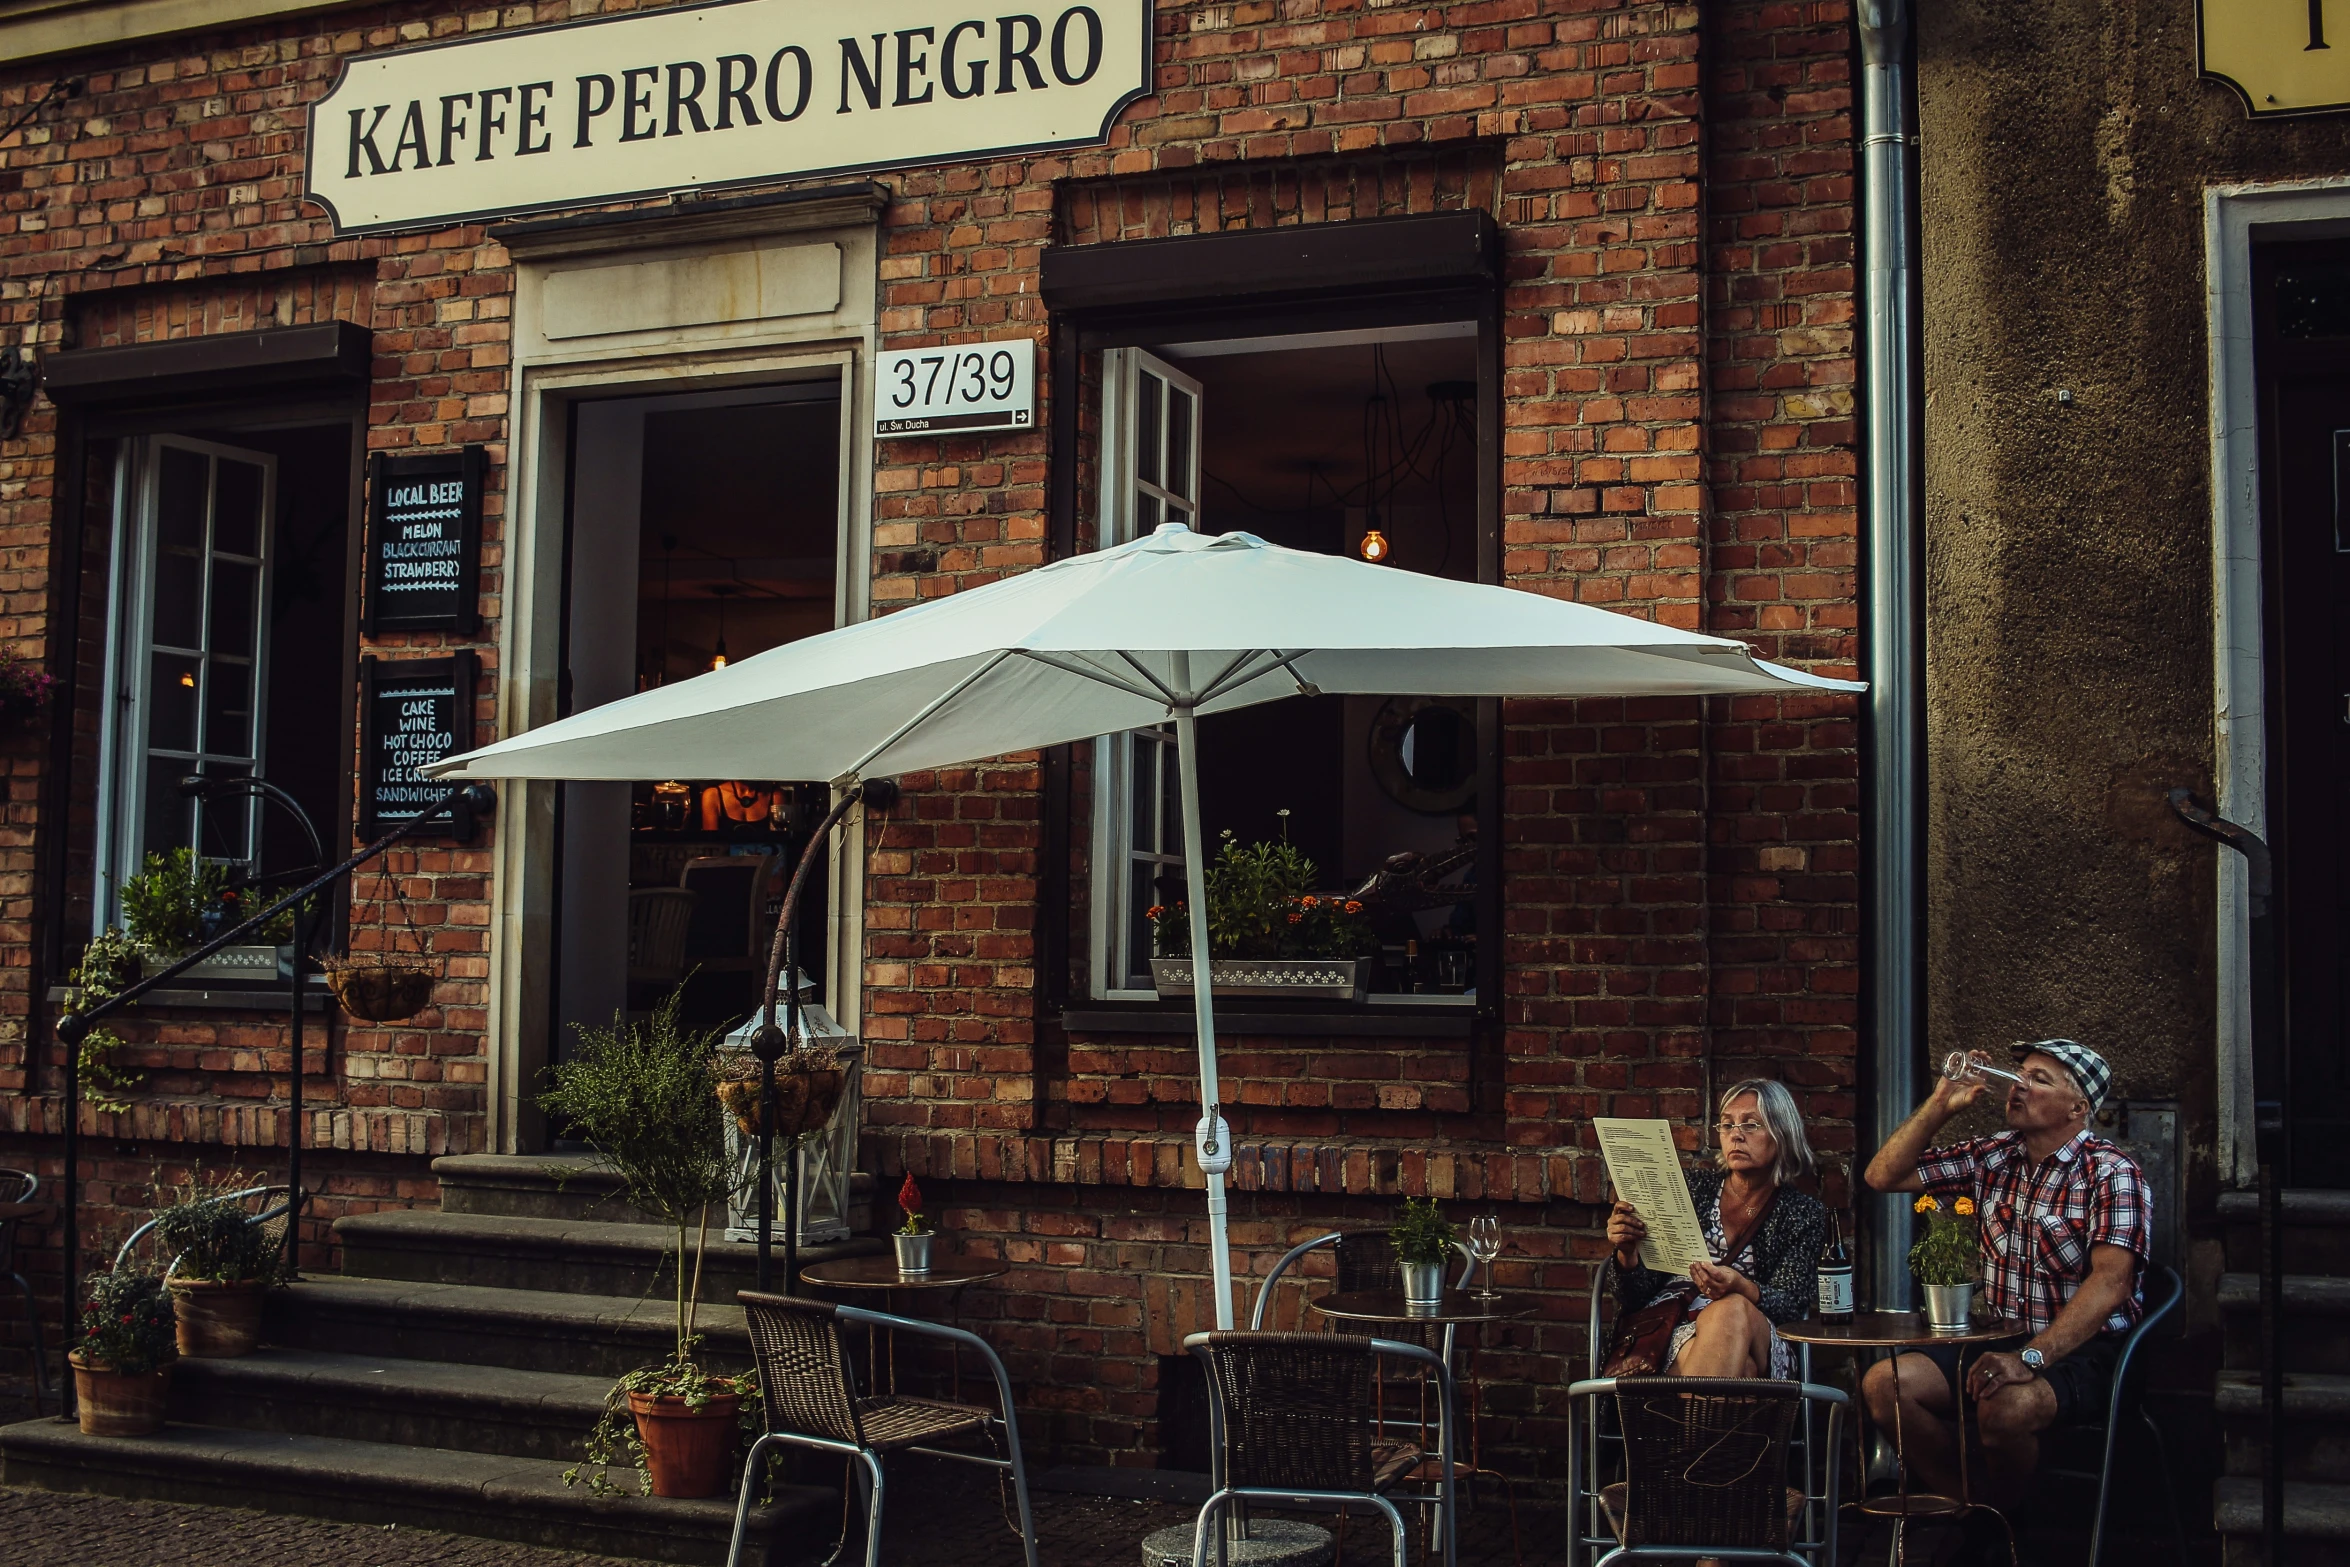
(424, 541)
(413, 712)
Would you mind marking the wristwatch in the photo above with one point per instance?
(2034, 1359)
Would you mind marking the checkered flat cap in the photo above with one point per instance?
(2087, 1066)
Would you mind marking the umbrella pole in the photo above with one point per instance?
(1215, 1148)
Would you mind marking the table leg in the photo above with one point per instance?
(1900, 1466)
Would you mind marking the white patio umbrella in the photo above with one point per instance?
(1171, 626)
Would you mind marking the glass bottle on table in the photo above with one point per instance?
(1835, 1275)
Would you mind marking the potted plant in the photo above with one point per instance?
(1946, 1260)
(644, 1096)
(25, 688)
(179, 901)
(1423, 1240)
(1269, 932)
(122, 1367)
(914, 1236)
(223, 1268)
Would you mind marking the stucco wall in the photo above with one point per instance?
(2066, 149)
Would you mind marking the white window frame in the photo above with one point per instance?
(123, 754)
(1122, 489)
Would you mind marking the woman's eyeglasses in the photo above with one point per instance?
(1740, 1128)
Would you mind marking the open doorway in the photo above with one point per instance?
(704, 528)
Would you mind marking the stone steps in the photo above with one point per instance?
(413, 1403)
(2316, 1231)
(2315, 1437)
(494, 1497)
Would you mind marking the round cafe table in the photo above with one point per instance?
(1452, 1309)
(878, 1274)
(1893, 1333)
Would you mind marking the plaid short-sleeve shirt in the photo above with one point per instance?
(2039, 1220)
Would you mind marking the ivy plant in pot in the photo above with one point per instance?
(122, 1366)
(1423, 1240)
(225, 1264)
(644, 1095)
(1269, 932)
(913, 1237)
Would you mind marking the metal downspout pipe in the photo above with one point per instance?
(1893, 608)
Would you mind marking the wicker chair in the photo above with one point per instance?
(657, 922)
(812, 1401)
(22, 1187)
(1290, 1422)
(1706, 1466)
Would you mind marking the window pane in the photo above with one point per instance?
(1178, 442)
(2313, 300)
(1138, 925)
(1147, 414)
(236, 509)
(179, 499)
(171, 703)
(224, 830)
(1146, 512)
(168, 817)
(228, 708)
(1142, 790)
(233, 621)
(179, 599)
(1170, 804)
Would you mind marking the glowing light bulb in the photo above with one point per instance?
(718, 658)
(1374, 546)
(187, 677)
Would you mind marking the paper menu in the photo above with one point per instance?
(1645, 1168)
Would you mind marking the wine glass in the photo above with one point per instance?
(1484, 1247)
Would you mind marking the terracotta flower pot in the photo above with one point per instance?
(217, 1321)
(118, 1403)
(688, 1451)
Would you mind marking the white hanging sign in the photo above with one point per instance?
(699, 97)
(956, 388)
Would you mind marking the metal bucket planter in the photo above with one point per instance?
(217, 1321)
(688, 1452)
(1310, 979)
(118, 1403)
(1423, 1283)
(1949, 1307)
(913, 1254)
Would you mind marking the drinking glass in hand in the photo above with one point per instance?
(1484, 1248)
(1962, 1067)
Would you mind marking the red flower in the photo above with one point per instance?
(910, 1195)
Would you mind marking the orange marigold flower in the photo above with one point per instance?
(1352, 907)
(1310, 901)
(1297, 919)
(1925, 1204)
(1964, 1206)
(1154, 911)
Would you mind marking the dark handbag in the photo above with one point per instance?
(1644, 1338)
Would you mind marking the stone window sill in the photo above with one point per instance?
(244, 998)
(1369, 1021)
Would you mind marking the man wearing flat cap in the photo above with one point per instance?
(2065, 1222)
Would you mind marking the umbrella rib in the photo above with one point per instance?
(1136, 665)
(856, 769)
(1085, 670)
(1276, 660)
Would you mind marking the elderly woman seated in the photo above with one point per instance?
(1734, 1303)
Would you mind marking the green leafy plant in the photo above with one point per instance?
(645, 1097)
(1423, 1234)
(215, 1239)
(165, 905)
(110, 964)
(1262, 904)
(127, 1324)
(1951, 1250)
(910, 1204)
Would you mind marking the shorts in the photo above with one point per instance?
(2082, 1381)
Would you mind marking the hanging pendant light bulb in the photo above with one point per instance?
(718, 655)
(1374, 546)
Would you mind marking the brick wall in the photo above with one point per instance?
(1679, 877)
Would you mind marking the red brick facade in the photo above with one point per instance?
(1680, 878)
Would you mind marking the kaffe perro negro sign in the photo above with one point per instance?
(413, 712)
(705, 96)
(424, 541)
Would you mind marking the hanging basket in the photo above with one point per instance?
(381, 987)
(807, 1091)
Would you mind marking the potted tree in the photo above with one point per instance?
(1269, 932)
(122, 1367)
(645, 1096)
(1423, 1240)
(225, 1264)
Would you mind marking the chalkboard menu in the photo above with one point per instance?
(424, 541)
(414, 711)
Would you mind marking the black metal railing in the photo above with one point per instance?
(461, 805)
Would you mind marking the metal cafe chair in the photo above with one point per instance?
(812, 1401)
(270, 1216)
(1602, 1445)
(1366, 1261)
(1286, 1419)
(1706, 1466)
(2161, 1290)
(18, 1189)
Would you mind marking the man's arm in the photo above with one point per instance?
(2113, 1274)
(1895, 1168)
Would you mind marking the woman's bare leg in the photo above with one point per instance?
(1733, 1339)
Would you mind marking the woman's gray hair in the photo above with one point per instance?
(1785, 1123)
